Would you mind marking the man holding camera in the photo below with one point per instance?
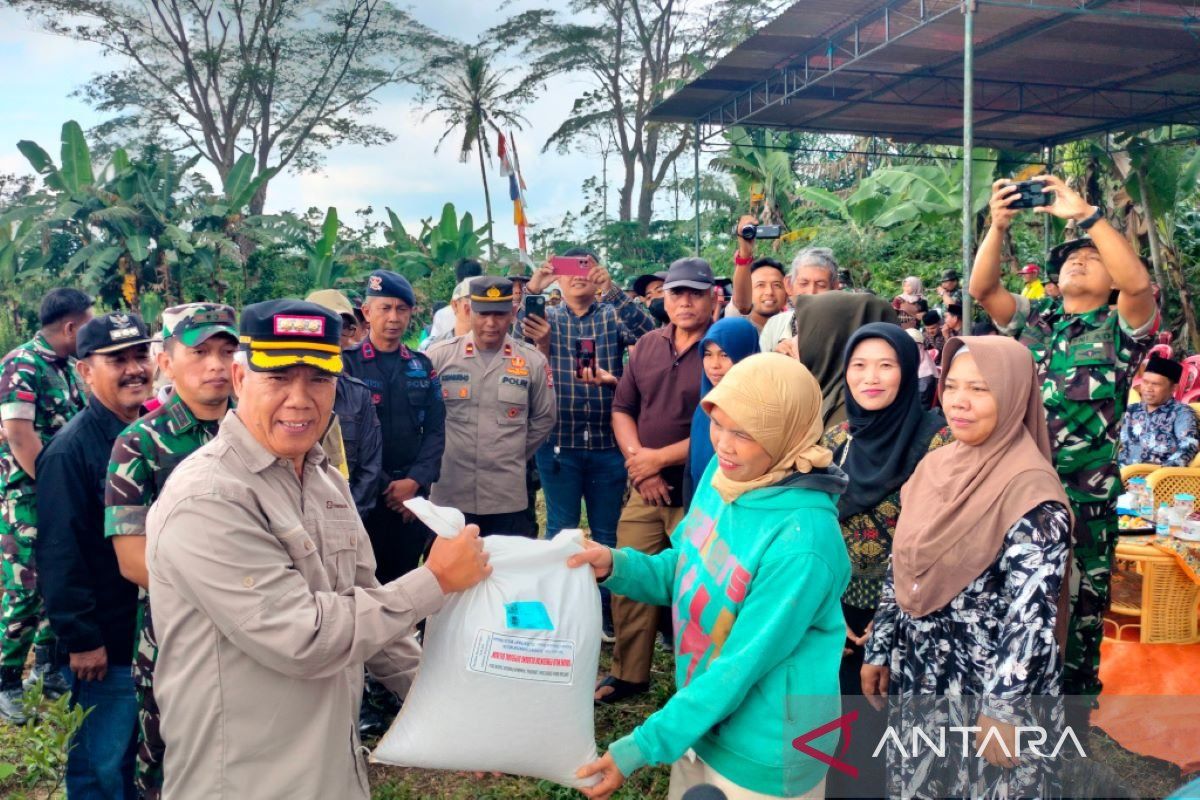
(760, 287)
(499, 400)
(1086, 354)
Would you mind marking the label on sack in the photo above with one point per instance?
(528, 614)
(524, 658)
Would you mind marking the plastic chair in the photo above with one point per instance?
(1166, 608)
(1188, 390)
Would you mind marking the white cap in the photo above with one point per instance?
(462, 291)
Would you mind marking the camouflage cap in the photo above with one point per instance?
(193, 323)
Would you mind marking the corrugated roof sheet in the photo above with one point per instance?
(1046, 71)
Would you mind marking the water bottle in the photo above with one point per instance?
(1162, 525)
(1183, 507)
(1145, 501)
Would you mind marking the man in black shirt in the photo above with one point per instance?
(91, 607)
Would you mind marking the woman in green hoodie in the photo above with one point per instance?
(754, 577)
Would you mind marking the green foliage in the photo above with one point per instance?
(37, 762)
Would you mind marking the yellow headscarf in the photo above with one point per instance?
(777, 401)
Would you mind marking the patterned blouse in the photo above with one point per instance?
(992, 645)
(869, 535)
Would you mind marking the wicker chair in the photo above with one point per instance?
(1165, 609)
(1166, 482)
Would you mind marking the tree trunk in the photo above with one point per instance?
(1152, 233)
(487, 197)
(625, 211)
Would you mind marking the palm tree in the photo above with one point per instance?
(474, 99)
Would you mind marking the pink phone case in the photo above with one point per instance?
(570, 265)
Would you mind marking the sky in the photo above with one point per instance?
(42, 71)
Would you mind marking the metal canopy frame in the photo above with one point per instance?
(839, 70)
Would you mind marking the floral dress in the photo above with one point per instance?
(868, 535)
(991, 650)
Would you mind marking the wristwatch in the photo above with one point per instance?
(1086, 224)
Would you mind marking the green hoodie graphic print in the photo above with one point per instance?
(755, 590)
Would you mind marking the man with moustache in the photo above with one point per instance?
(91, 607)
(266, 618)
(199, 340)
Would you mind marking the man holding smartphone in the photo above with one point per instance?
(1086, 351)
(581, 463)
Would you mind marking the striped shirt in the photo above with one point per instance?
(585, 411)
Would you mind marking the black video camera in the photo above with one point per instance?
(752, 232)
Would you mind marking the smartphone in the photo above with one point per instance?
(535, 304)
(585, 355)
(1031, 194)
(572, 266)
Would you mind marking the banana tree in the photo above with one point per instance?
(437, 245)
(1159, 183)
(761, 169)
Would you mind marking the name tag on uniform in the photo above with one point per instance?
(455, 377)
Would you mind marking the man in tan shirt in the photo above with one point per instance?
(499, 409)
(263, 583)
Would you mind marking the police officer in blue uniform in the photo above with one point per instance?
(408, 400)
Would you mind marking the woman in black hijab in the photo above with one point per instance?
(886, 433)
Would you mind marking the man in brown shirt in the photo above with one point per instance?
(263, 581)
(652, 417)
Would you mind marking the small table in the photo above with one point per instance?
(1165, 606)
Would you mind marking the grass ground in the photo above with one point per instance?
(1142, 776)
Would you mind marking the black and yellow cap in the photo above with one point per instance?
(491, 294)
(279, 334)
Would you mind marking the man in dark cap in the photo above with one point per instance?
(652, 417)
(499, 409)
(266, 602)
(91, 606)
(1160, 429)
(412, 418)
(408, 400)
(949, 289)
(1086, 354)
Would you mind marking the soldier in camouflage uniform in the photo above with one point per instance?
(1086, 352)
(39, 393)
(199, 342)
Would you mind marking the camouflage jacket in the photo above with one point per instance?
(143, 457)
(37, 385)
(1086, 363)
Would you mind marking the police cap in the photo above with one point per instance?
(279, 334)
(490, 295)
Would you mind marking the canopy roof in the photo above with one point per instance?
(1046, 71)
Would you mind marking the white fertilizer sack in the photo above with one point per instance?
(508, 670)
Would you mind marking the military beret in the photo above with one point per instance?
(279, 334)
(490, 294)
(194, 323)
(111, 333)
(384, 283)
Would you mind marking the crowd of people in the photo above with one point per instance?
(806, 490)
